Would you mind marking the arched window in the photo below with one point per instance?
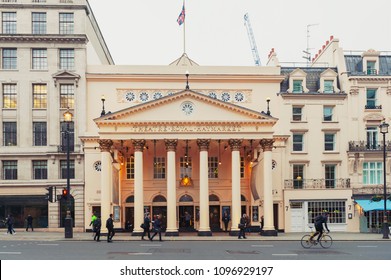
(213, 197)
(130, 199)
(159, 198)
(185, 198)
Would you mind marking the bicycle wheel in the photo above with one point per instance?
(326, 241)
(305, 241)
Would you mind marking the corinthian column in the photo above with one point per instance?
(204, 230)
(268, 227)
(105, 180)
(172, 229)
(138, 186)
(235, 145)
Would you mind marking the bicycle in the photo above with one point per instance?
(325, 241)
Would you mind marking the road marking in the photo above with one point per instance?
(139, 254)
(369, 246)
(47, 244)
(266, 246)
(150, 245)
(284, 254)
(11, 253)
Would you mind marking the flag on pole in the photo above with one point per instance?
(181, 17)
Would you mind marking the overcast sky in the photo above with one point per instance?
(145, 32)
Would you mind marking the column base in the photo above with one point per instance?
(234, 233)
(271, 232)
(172, 233)
(204, 233)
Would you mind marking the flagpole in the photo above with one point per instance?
(184, 29)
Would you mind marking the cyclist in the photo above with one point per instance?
(319, 221)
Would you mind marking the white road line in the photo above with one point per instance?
(266, 246)
(139, 253)
(49, 244)
(284, 254)
(150, 245)
(11, 253)
(369, 246)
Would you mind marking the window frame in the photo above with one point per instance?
(8, 23)
(12, 167)
(38, 23)
(213, 167)
(297, 86)
(328, 142)
(39, 59)
(40, 169)
(63, 169)
(66, 26)
(10, 135)
(330, 175)
(159, 168)
(297, 117)
(39, 134)
(372, 175)
(296, 144)
(67, 59)
(67, 96)
(10, 96)
(9, 59)
(40, 96)
(328, 117)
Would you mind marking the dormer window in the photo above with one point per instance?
(297, 86)
(371, 70)
(370, 62)
(328, 82)
(298, 81)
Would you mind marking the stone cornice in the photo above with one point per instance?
(40, 6)
(182, 123)
(306, 96)
(370, 78)
(46, 38)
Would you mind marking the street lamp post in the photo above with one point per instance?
(68, 219)
(384, 130)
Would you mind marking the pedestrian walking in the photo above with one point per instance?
(97, 227)
(226, 219)
(157, 228)
(146, 226)
(29, 221)
(10, 224)
(110, 228)
(242, 227)
(93, 218)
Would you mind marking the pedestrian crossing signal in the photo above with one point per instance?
(64, 193)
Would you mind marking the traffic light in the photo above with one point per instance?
(64, 193)
(49, 194)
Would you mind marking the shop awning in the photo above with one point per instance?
(369, 205)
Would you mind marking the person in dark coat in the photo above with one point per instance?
(110, 228)
(97, 227)
(147, 225)
(226, 218)
(29, 220)
(9, 221)
(319, 221)
(157, 228)
(242, 226)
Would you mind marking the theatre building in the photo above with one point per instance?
(183, 139)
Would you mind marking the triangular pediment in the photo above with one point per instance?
(185, 106)
(66, 76)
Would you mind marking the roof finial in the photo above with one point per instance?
(187, 79)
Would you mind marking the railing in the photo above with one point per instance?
(371, 72)
(373, 107)
(362, 146)
(9, 1)
(317, 184)
(63, 148)
(66, 1)
(372, 189)
(39, 1)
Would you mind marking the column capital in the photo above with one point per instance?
(171, 144)
(105, 145)
(138, 145)
(235, 144)
(203, 144)
(267, 144)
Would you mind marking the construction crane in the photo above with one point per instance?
(253, 45)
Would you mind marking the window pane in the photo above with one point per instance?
(39, 96)
(67, 93)
(40, 169)
(213, 167)
(67, 59)
(39, 59)
(159, 168)
(10, 170)
(297, 86)
(328, 86)
(9, 134)
(297, 142)
(39, 134)
(9, 96)
(9, 22)
(39, 23)
(9, 59)
(66, 23)
(327, 113)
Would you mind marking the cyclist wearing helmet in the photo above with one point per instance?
(319, 221)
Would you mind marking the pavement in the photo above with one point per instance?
(59, 235)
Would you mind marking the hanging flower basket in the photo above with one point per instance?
(376, 198)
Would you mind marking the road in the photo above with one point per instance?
(191, 250)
